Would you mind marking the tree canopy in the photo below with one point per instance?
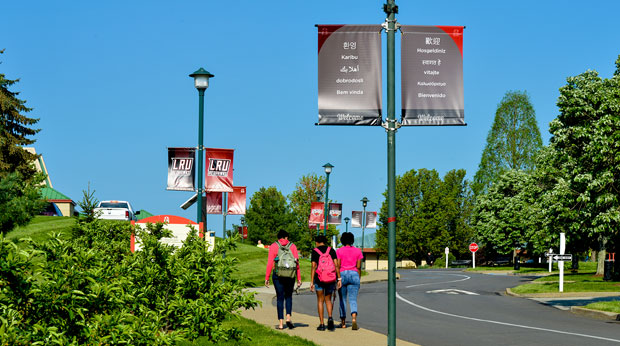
(512, 142)
(267, 214)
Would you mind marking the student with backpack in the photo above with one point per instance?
(350, 270)
(325, 276)
(283, 260)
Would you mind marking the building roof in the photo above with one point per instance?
(143, 214)
(54, 195)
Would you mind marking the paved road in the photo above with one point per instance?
(458, 308)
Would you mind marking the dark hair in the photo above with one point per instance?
(282, 234)
(347, 238)
(321, 239)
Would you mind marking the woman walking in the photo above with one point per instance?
(325, 279)
(350, 259)
(283, 260)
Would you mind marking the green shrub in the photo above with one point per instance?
(92, 290)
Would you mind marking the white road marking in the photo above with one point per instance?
(504, 323)
(453, 291)
(442, 282)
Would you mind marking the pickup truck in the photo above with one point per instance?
(115, 210)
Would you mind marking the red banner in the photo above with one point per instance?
(316, 213)
(243, 231)
(219, 172)
(213, 202)
(236, 201)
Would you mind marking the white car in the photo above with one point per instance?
(115, 210)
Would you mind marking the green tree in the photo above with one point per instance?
(512, 141)
(267, 214)
(20, 200)
(586, 144)
(430, 214)
(15, 132)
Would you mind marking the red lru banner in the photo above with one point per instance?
(316, 213)
(314, 226)
(219, 176)
(213, 202)
(236, 201)
(335, 214)
(181, 169)
(243, 231)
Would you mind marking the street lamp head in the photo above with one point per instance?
(365, 201)
(347, 219)
(242, 220)
(318, 194)
(328, 167)
(201, 78)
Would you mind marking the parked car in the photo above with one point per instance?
(115, 210)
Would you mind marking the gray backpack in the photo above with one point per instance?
(286, 264)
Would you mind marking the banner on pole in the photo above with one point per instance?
(243, 231)
(335, 214)
(432, 75)
(219, 177)
(236, 201)
(356, 219)
(349, 78)
(371, 219)
(181, 169)
(316, 213)
(213, 202)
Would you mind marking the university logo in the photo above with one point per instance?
(182, 165)
(335, 213)
(317, 212)
(218, 167)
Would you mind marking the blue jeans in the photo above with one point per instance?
(350, 288)
(284, 292)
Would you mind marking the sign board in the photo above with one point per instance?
(432, 75)
(473, 247)
(179, 226)
(349, 74)
(564, 257)
(219, 170)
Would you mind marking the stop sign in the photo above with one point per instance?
(473, 247)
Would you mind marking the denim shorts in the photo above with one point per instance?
(329, 288)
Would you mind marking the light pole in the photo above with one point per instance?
(242, 228)
(364, 204)
(201, 82)
(328, 169)
(346, 223)
(319, 195)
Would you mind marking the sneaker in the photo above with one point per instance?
(330, 324)
(354, 326)
(321, 327)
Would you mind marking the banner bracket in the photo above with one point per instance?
(386, 27)
(386, 124)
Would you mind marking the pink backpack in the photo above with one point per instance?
(326, 269)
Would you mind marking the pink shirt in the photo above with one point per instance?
(348, 256)
(273, 253)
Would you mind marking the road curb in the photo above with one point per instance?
(603, 315)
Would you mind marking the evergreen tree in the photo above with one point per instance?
(512, 141)
(15, 132)
(267, 214)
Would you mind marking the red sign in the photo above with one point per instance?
(219, 172)
(236, 201)
(316, 213)
(473, 247)
(243, 231)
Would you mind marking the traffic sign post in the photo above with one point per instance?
(561, 262)
(447, 251)
(473, 247)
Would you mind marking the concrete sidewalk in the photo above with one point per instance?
(305, 325)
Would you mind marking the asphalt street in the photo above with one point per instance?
(449, 307)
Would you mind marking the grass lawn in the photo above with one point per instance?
(39, 228)
(253, 262)
(259, 335)
(605, 306)
(577, 282)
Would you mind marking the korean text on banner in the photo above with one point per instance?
(219, 177)
(335, 214)
(213, 202)
(356, 219)
(236, 201)
(432, 75)
(349, 74)
(181, 169)
(316, 213)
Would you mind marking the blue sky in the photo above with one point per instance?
(109, 81)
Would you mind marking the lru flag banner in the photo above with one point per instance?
(371, 219)
(181, 169)
(432, 75)
(219, 176)
(236, 201)
(335, 214)
(213, 202)
(316, 213)
(356, 219)
(349, 74)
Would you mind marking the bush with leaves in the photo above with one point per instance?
(93, 290)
